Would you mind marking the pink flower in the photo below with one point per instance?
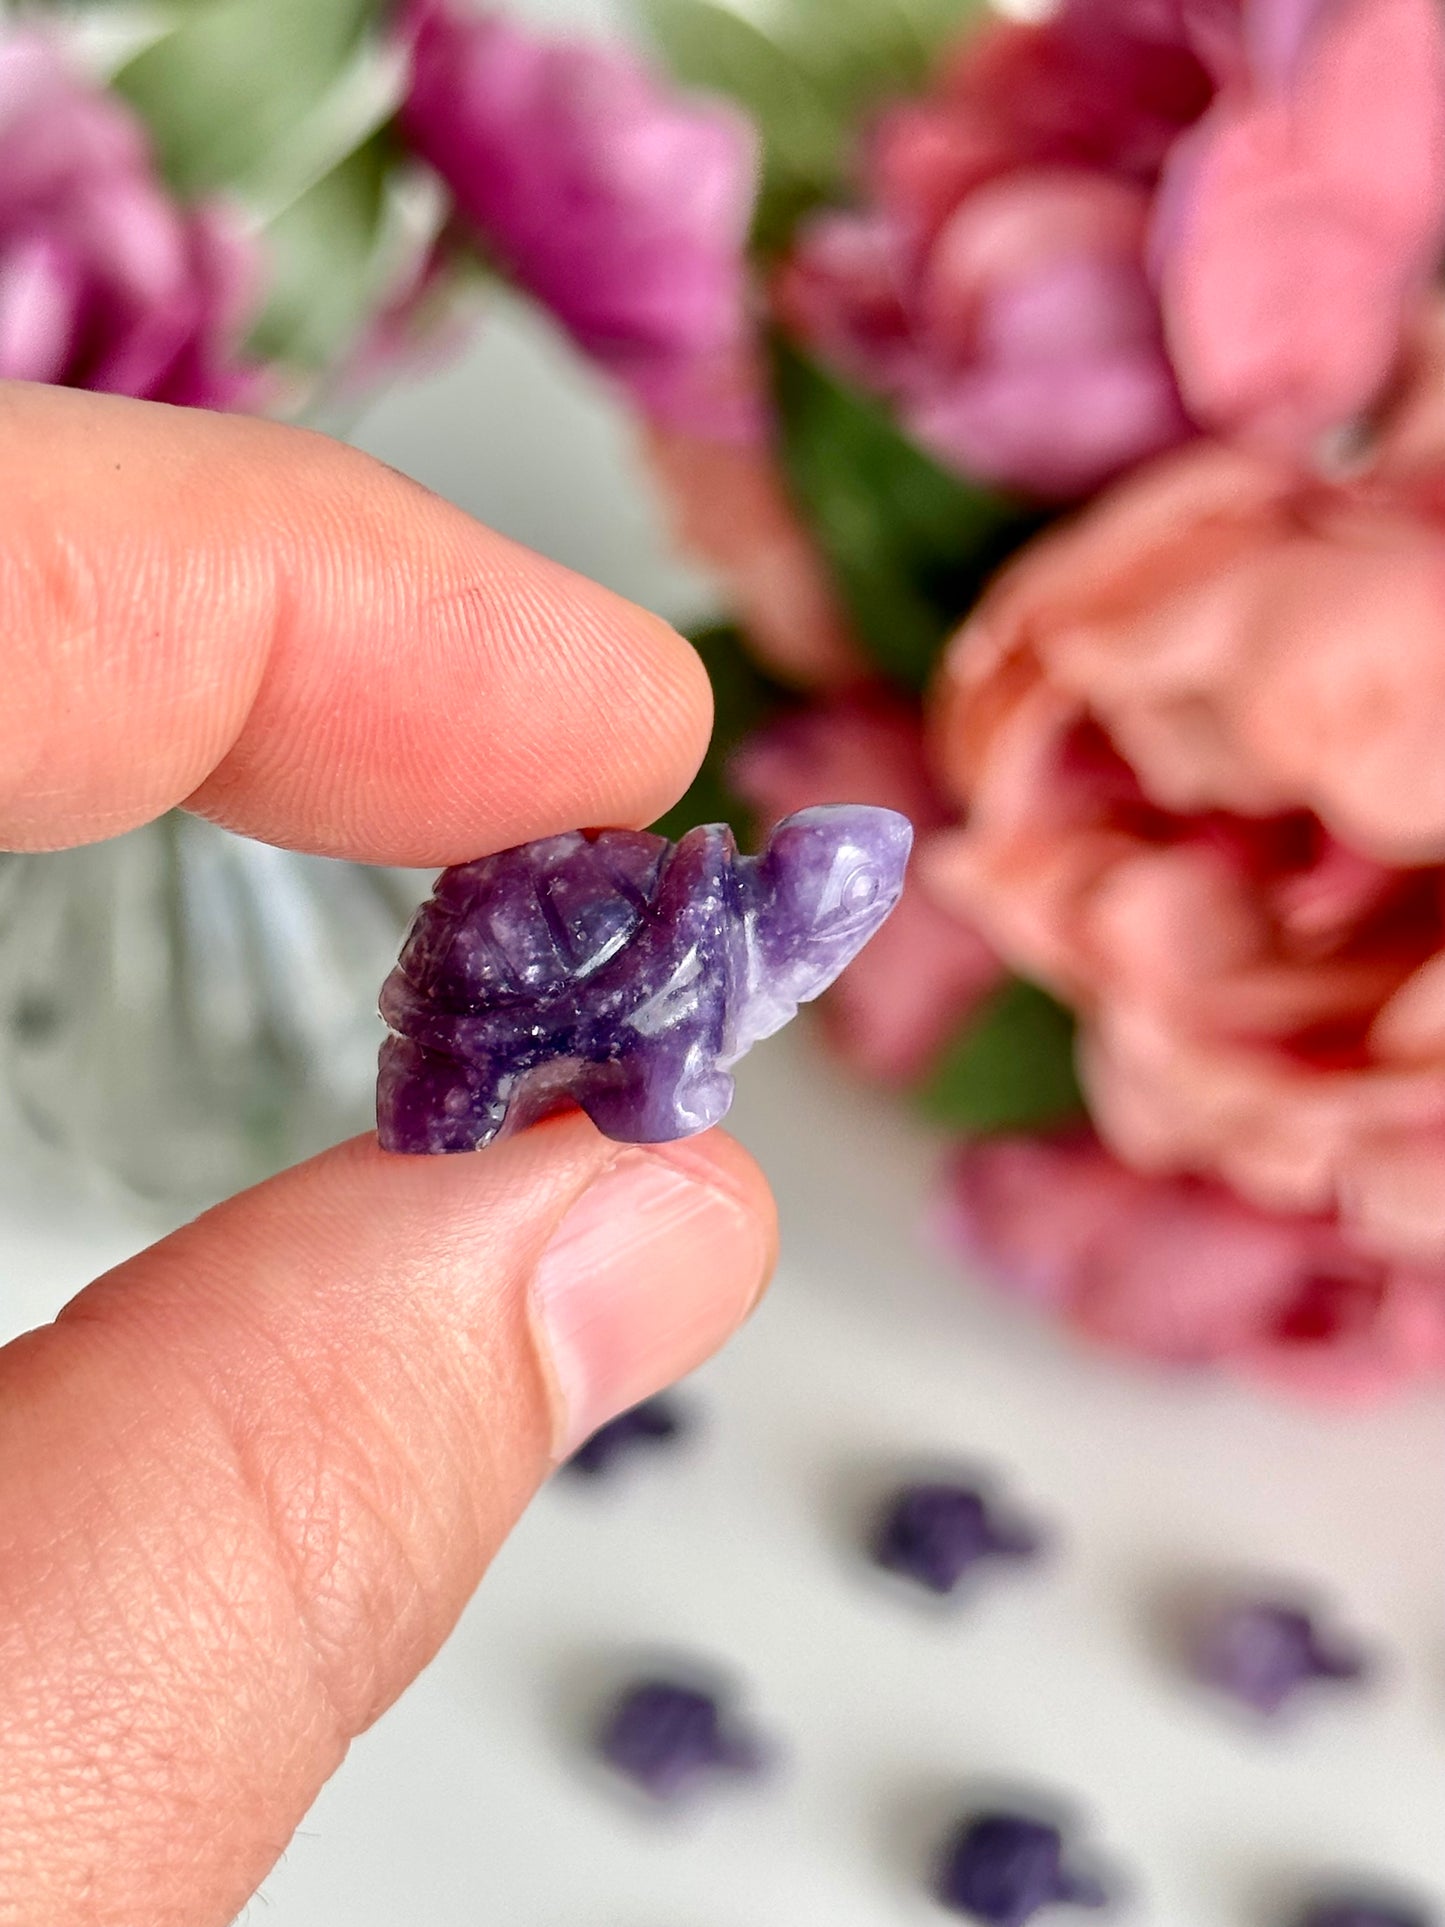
(993, 284)
(1274, 169)
(1303, 217)
(105, 282)
(621, 206)
(1181, 1271)
(1198, 734)
(1023, 347)
(893, 1009)
(1103, 87)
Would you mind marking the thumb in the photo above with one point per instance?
(248, 1480)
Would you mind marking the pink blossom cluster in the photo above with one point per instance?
(106, 281)
(1167, 264)
(1176, 257)
(1136, 222)
(619, 203)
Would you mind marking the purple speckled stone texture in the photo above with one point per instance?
(621, 972)
(1262, 1653)
(669, 1739)
(655, 1423)
(936, 1534)
(1003, 1868)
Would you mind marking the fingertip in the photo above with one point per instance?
(649, 1274)
(309, 648)
(717, 1158)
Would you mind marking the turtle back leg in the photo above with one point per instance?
(432, 1103)
(669, 1089)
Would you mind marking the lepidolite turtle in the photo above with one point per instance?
(621, 972)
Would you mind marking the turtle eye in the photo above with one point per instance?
(859, 892)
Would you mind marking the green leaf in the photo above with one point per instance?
(808, 72)
(1011, 1069)
(326, 255)
(744, 699)
(256, 95)
(910, 545)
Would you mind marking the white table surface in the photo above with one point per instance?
(470, 1803)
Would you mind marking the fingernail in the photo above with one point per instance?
(651, 1270)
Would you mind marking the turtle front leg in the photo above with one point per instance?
(429, 1103)
(663, 1092)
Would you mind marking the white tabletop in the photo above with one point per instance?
(471, 1801)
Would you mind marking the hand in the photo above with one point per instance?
(248, 1480)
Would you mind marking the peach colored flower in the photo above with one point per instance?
(1181, 1271)
(1199, 736)
(1410, 432)
(900, 1002)
(731, 512)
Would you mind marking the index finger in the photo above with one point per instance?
(303, 645)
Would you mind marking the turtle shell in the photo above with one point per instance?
(531, 923)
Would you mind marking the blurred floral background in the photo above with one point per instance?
(1057, 405)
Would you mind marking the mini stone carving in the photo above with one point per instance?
(621, 972)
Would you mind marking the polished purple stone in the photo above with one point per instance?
(668, 1739)
(938, 1533)
(621, 972)
(1361, 1913)
(1263, 1653)
(650, 1424)
(1003, 1868)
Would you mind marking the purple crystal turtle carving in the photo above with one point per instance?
(652, 1423)
(667, 1739)
(1263, 1652)
(1357, 1912)
(1003, 1868)
(621, 972)
(936, 1534)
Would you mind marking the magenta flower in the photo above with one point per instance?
(622, 206)
(106, 282)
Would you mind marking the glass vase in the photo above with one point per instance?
(183, 1011)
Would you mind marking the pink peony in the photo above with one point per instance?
(893, 1009)
(1198, 734)
(1181, 1271)
(1303, 218)
(1103, 87)
(992, 282)
(105, 282)
(997, 280)
(730, 511)
(621, 206)
(1023, 347)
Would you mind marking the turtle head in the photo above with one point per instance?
(825, 884)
